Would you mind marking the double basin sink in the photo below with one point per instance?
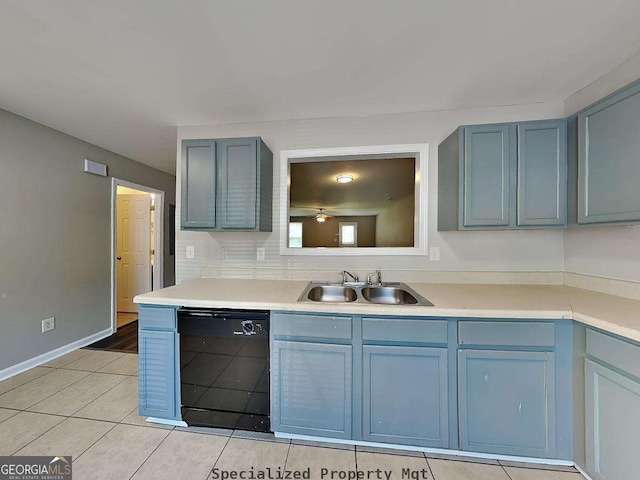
(384, 294)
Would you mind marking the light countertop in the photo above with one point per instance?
(610, 313)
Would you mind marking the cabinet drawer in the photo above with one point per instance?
(529, 334)
(615, 352)
(404, 330)
(314, 326)
(157, 317)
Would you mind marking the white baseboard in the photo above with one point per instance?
(440, 451)
(582, 472)
(164, 421)
(53, 354)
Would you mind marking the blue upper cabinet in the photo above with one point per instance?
(227, 184)
(486, 189)
(542, 173)
(609, 159)
(198, 206)
(503, 176)
(238, 183)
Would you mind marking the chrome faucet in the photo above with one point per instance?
(344, 274)
(376, 273)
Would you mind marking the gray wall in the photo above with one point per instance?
(394, 227)
(55, 236)
(325, 234)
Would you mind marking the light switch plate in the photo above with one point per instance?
(191, 251)
(434, 254)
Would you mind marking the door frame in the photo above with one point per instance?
(158, 222)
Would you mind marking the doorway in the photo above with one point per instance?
(137, 248)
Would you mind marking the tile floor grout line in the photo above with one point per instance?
(286, 459)
(152, 452)
(57, 425)
(68, 363)
(46, 398)
(506, 473)
(110, 421)
(433, 476)
(17, 413)
(355, 456)
(101, 366)
(18, 386)
(121, 381)
(218, 457)
(97, 371)
(43, 433)
(104, 435)
(104, 393)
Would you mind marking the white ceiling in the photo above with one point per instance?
(123, 74)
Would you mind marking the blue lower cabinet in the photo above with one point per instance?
(612, 406)
(311, 388)
(405, 395)
(612, 424)
(507, 402)
(157, 377)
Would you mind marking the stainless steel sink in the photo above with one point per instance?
(384, 294)
(388, 296)
(332, 293)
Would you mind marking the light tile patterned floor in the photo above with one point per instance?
(84, 404)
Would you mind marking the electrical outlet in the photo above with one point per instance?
(191, 251)
(221, 253)
(434, 254)
(260, 253)
(48, 324)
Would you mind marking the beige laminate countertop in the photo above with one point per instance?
(610, 313)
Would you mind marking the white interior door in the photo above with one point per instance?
(133, 249)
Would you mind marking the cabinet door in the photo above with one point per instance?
(487, 175)
(157, 378)
(507, 402)
(311, 389)
(612, 424)
(405, 395)
(198, 196)
(238, 183)
(609, 159)
(542, 173)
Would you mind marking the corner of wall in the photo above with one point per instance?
(622, 75)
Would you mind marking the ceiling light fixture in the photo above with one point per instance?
(345, 178)
(321, 217)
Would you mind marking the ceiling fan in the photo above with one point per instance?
(321, 217)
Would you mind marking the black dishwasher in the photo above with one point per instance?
(224, 368)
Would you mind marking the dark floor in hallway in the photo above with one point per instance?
(124, 340)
